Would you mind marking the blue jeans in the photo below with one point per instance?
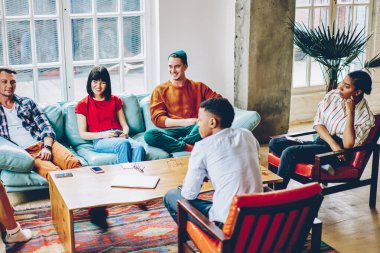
(291, 153)
(126, 150)
(170, 202)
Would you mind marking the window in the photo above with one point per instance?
(306, 71)
(53, 44)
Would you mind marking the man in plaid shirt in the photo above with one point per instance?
(24, 124)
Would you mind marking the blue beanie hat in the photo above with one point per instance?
(180, 54)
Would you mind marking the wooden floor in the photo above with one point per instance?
(349, 224)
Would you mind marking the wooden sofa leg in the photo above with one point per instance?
(374, 177)
(316, 236)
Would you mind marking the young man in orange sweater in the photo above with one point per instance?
(174, 108)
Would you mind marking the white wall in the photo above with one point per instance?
(205, 29)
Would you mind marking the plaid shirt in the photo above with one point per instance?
(33, 120)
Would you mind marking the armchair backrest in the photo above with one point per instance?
(361, 158)
(277, 221)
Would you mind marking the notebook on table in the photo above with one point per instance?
(135, 181)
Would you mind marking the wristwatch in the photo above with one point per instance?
(47, 146)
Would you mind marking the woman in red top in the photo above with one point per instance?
(101, 118)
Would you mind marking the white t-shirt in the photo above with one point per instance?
(230, 158)
(17, 132)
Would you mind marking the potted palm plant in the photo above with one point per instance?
(333, 48)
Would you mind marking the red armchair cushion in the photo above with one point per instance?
(307, 170)
(303, 169)
(203, 241)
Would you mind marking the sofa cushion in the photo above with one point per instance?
(151, 153)
(14, 158)
(93, 158)
(181, 153)
(55, 116)
(246, 119)
(145, 109)
(132, 112)
(12, 179)
(71, 127)
(81, 159)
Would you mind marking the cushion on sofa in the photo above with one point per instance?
(12, 179)
(145, 110)
(55, 116)
(14, 158)
(132, 112)
(71, 127)
(93, 158)
(81, 159)
(246, 119)
(151, 153)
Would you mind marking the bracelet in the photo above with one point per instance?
(47, 146)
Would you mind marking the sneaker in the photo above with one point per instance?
(20, 235)
(2, 246)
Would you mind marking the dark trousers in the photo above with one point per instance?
(291, 153)
(172, 139)
(170, 202)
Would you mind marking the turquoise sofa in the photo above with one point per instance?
(16, 165)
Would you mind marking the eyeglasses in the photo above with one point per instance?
(137, 167)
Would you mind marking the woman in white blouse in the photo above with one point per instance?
(343, 120)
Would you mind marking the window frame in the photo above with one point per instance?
(66, 61)
(332, 16)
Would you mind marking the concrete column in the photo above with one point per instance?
(263, 62)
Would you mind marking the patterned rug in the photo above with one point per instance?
(131, 230)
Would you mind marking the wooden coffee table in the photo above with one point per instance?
(87, 189)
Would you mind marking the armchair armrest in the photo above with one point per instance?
(330, 154)
(184, 206)
(324, 158)
(295, 134)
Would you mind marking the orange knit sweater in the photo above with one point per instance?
(178, 102)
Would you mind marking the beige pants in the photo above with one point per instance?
(7, 220)
(62, 158)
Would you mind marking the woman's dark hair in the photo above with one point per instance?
(222, 109)
(99, 73)
(362, 81)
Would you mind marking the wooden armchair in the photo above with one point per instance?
(277, 221)
(349, 176)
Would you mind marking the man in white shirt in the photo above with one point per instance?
(228, 157)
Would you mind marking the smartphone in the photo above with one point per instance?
(118, 132)
(66, 174)
(97, 170)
